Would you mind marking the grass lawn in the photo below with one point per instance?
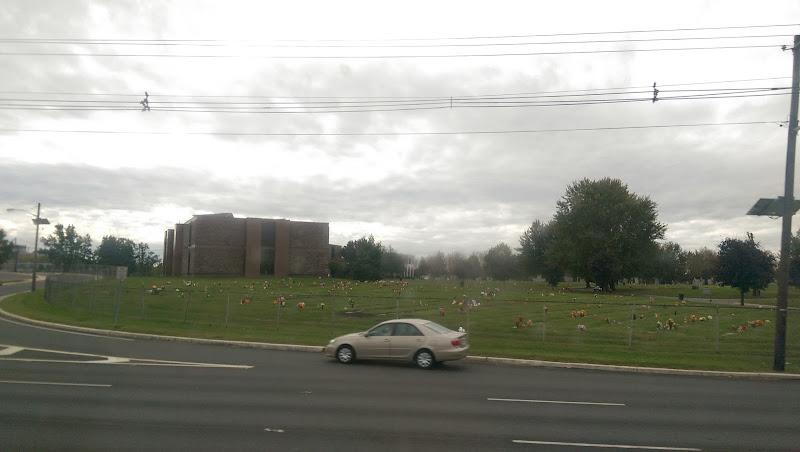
(562, 324)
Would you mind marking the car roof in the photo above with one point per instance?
(414, 321)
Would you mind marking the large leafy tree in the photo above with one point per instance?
(500, 263)
(474, 266)
(536, 254)
(66, 248)
(6, 247)
(701, 264)
(670, 264)
(123, 252)
(434, 266)
(363, 259)
(116, 251)
(392, 263)
(457, 265)
(744, 265)
(604, 233)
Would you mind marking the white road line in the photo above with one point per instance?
(10, 351)
(563, 402)
(126, 362)
(606, 446)
(66, 331)
(50, 383)
(101, 359)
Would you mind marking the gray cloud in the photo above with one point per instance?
(418, 193)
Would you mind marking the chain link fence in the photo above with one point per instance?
(585, 323)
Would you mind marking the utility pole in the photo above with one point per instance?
(788, 211)
(38, 221)
(16, 255)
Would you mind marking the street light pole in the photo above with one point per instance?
(37, 221)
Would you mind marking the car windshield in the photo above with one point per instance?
(437, 328)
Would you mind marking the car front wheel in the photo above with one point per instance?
(424, 359)
(345, 354)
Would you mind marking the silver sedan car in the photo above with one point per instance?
(421, 341)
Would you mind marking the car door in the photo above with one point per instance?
(377, 343)
(407, 339)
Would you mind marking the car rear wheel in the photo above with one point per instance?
(345, 354)
(424, 359)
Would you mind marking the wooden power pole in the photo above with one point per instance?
(788, 211)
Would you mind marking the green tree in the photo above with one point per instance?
(6, 248)
(363, 258)
(670, 264)
(146, 261)
(116, 251)
(536, 254)
(474, 266)
(701, 264)
(434, 266)
(499, 263)
(534, 243)
(744, 265)
(794, 260)
(338, 268)
(604, 233)
(393, 264)
(66, 248)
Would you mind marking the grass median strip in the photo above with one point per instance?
(524, 320)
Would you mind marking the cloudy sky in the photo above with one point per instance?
(434, 126)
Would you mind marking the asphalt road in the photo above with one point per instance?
(68, 391)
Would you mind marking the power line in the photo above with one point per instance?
(355, 105)
(368, 57)
(205, 43)
(452, 38)
(376, 134)
(642, 89)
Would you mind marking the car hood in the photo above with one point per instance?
(348, 336)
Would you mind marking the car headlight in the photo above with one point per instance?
(332, 341)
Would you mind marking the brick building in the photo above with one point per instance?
(221, 245)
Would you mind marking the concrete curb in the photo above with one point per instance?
(156, 337)
(470, 359)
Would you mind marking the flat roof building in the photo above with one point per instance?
(221, 245)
